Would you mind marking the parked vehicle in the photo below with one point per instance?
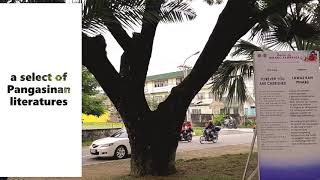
(210, 135)
(117, 145)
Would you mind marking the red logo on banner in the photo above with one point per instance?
(313, 56)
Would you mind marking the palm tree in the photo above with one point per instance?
(100, 16)
(298, 30)
(231, 77)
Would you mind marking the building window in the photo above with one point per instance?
(178, 81)
(210, 95)
(196, 111)
(251, 111)
(158, 99)
(200, 96)
(161, 83)
(235, 110)
(225, 110)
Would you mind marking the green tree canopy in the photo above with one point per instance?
(296, 29)
(92, 103)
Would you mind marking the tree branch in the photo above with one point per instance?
(236, 20)
(95, 59)
(148, 29)
(117, 31)
(135, 60)
(150, 21)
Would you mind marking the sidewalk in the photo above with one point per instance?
(239, 129)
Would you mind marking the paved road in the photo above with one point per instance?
(226, 137)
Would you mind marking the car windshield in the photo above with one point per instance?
(120, 134)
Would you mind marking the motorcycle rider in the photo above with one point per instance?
(189, 126)
(229, 122)
(209, 128)
(186, 128)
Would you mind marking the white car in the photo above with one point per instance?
(117, 145)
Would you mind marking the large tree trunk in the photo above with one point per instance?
(154, 146)
(156, 157)
(154, 141)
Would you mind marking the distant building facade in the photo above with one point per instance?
(204, 106)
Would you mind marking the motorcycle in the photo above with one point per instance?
(229, 124)
(210, 135)
(186, 135)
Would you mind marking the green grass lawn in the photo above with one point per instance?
(198, 130)
(86, 143)
(226, 167)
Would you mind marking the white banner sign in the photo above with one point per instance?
(40, 90)
(288, 117)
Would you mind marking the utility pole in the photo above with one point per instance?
(185, 69)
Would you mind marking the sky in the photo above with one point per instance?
(174, 42)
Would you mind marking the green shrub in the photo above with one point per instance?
(198, 130)
(247, 124)
(218, 120)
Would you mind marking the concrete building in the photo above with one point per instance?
(204, 106)
(159, 86)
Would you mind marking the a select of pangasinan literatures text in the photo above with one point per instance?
(31, 91)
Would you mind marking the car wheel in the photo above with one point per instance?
(120, 152)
